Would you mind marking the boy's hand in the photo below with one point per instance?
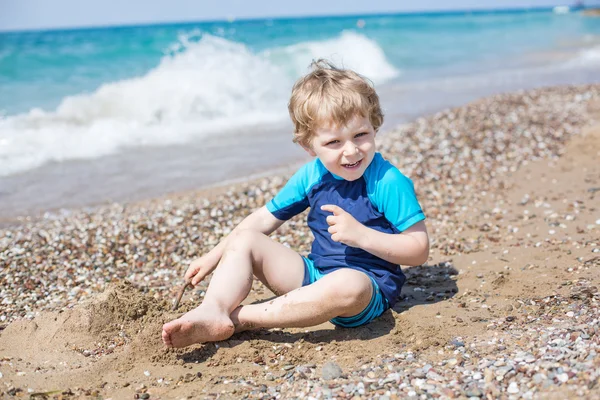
(198, 270)
(343, 227)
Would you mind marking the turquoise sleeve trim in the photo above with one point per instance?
(271, 206)
(411, 221)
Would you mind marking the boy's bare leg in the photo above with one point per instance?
(248, 252)
(344, 292)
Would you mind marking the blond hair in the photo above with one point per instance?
(330, 95)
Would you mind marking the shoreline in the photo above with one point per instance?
(209, 192)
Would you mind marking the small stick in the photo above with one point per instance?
(180, 295)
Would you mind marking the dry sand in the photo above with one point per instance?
(484, 317)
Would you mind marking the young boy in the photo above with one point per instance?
(364, 216)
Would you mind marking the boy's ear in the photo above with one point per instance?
(309, 150)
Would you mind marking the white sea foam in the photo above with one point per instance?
(350, 50)
(202, 87)
(587, 57)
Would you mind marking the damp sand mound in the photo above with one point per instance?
(107, 343)
(119, 319)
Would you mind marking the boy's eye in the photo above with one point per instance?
(361, 134)
(332, 142)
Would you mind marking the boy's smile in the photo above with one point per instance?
(346, 151)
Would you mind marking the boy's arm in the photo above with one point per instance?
(260, 220)
(410, 247)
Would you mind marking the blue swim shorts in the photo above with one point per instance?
(376, 307)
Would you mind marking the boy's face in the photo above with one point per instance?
(345, 151)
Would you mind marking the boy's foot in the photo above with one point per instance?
(197, 326)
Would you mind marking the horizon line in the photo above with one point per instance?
(439, 12)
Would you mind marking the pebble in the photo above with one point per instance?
(474, 392)
(331, 371)
(513, 388)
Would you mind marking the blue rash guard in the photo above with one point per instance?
(382, 199)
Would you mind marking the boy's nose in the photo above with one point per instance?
(350, 149)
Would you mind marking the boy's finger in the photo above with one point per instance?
(189, 274)
(330, 220)
(336, 210)
(196, 279)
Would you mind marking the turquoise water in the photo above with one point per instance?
(78, 96)
(39, 69)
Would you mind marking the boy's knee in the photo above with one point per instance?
(243, 239)
(352, 287)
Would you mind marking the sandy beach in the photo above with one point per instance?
(506, 307)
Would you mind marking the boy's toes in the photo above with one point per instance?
(197, 326)
(166, 336)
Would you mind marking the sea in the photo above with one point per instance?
(124, 113)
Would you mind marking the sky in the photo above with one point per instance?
(48, 14)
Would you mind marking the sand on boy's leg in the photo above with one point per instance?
(342, 293)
